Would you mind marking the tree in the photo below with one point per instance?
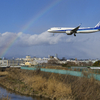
(52, 61)
(97, 63)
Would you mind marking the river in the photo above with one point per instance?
(14, 96)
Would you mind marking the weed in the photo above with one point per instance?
(53, 85)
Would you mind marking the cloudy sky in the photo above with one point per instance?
(24, 25)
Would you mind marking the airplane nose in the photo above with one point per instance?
(48, 30)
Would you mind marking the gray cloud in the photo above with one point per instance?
(29, 40)
(43, 38)
(88, 44)
(83, 45)
(6, 38)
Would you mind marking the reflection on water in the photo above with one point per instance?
(14, 96)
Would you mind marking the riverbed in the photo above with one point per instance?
(15, 96)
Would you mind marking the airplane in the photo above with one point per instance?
(78, 29)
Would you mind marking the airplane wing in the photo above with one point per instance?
(75, 30)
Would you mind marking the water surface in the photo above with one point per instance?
(16, 96)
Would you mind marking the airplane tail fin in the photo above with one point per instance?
(98, 25)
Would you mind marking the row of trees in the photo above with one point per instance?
(69, 63)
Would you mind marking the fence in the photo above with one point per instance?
(68, 72)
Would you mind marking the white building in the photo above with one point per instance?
(3, 63)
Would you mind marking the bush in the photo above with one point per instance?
(65, 65)
(97, 63)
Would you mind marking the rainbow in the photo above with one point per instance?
(28, 25)
(40, 14)
(9, 44)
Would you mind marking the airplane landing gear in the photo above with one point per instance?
(74, 34)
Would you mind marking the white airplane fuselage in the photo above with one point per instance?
(70, 31)
(67, 30)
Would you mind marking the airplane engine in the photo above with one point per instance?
(68, 32)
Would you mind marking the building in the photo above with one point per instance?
(28, 63)
(3, 62)
(32, 63)
(15, 62)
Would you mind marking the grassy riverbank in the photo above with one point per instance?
(5, 98)
(55, 86)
